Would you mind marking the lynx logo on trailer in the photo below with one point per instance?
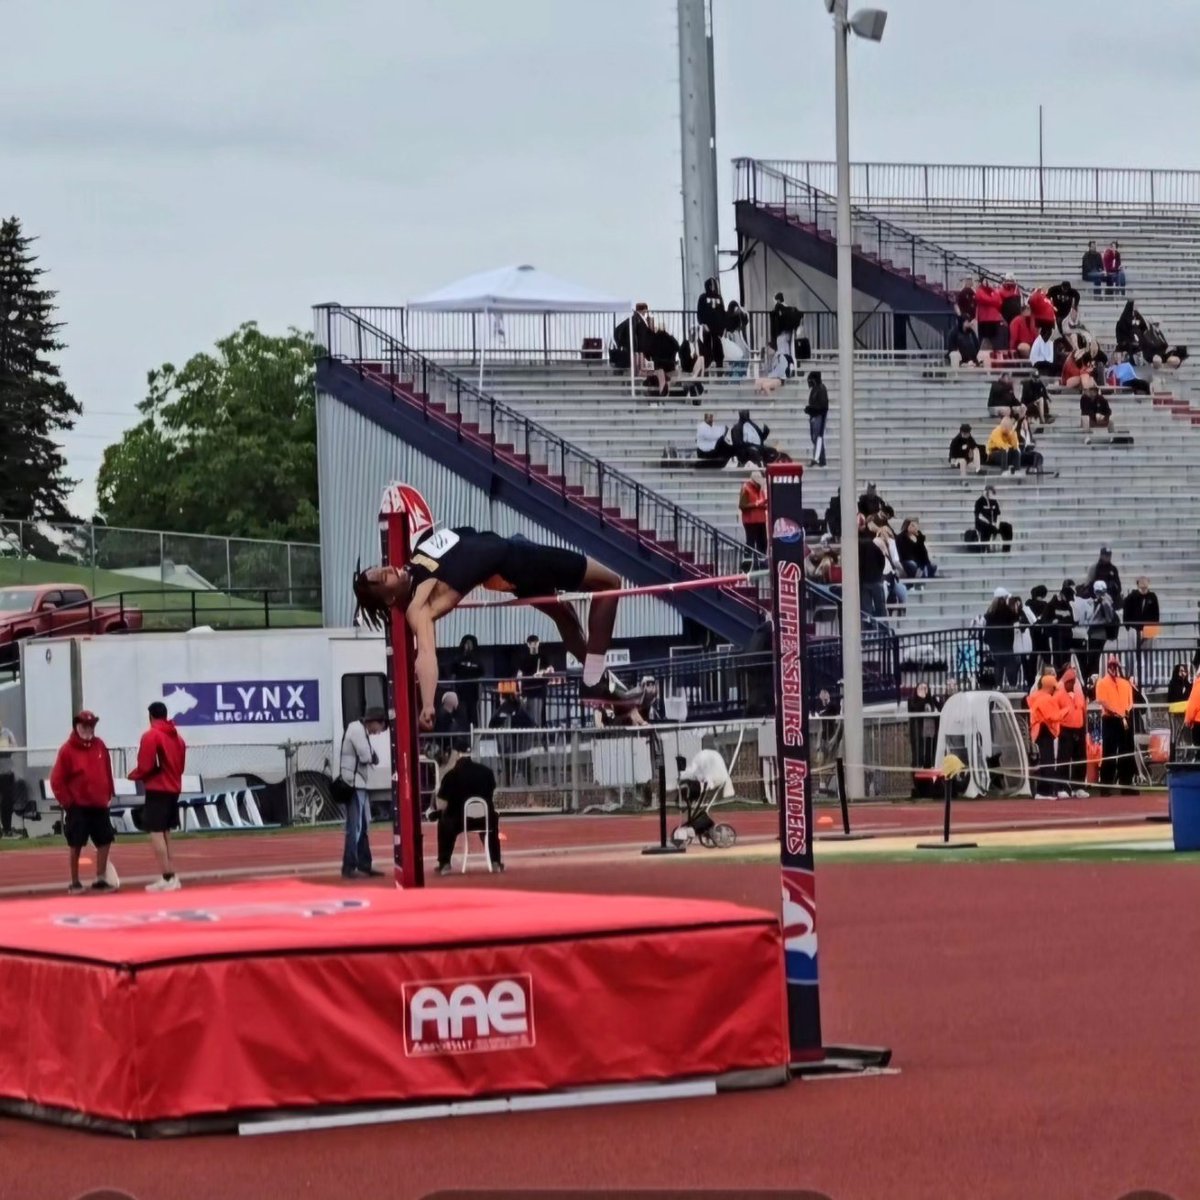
(253, 702)
(468, 1016)
(404, 498)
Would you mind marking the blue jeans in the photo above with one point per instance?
(357, 853)
(816, 434)
(1096, 278)
(913, 571)
(873, 599)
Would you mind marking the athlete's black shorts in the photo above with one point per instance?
(80, 824)
(160, 813)
(536, 570)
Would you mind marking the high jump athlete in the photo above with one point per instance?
(448, 564)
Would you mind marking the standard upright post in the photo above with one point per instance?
(852, 689)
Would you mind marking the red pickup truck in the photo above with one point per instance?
(49, 609)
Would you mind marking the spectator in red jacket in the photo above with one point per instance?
(1113, 268)
(1010, 298)
(987, 316)
(1042, 309)
(160, 762)
(82, 782)
(1022, 332)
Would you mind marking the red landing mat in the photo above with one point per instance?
(156, 1013)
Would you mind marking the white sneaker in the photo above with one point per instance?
(165, 885)
(1080, 794)
(1063, 796)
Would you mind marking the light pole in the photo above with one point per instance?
(867, 23)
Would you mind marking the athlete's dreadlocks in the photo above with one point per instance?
(368, 604)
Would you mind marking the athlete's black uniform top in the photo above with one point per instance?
(511, 564)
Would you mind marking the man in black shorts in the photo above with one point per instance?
(162, 755)
(82, 782)
(445, 566)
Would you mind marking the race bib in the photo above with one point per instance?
(438, 543)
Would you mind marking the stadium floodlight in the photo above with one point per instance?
(867, 23)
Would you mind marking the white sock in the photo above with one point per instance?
(593, 669)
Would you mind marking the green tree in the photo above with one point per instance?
(35, 404)
(227, 444)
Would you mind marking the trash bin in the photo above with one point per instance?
(1183, 791)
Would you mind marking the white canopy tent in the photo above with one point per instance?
(521, 289)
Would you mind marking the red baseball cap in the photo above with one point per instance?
(85, 717)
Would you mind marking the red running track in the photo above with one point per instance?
(1029, 1065)
(319, 850)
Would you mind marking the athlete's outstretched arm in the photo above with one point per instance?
(420, 621)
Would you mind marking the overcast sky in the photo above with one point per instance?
(188, 166)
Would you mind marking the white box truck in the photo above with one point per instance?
(244, 701)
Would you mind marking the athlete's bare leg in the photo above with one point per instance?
(566, 621)
(603, 615)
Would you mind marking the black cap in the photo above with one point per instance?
(158, 711)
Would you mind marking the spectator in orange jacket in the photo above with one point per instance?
(1191, 716)
(162, 754)
(1114, 694)
(1072, 738)
(82, 782)
(753, 505)
(1044, 723)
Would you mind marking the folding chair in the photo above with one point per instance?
(476, 809)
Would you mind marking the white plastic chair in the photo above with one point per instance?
(475, 809)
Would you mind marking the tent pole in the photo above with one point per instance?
(483, 347)
(632, 354)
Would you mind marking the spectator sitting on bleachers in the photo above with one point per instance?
(1001, 394)
(1113, 268)
(1035, 398)
(962, 347)
(1041, 354)
(618, 354)
(1125, 375)
(965, 451)
(914, 553)
(987, 519)
(988, 322)
(1156, 350)
(1078, 366)
(1092, 271)
(1031, 456)
(1065, 300)
(1011, 301)
(1095, 412)
(1004, 447)
(885, 539)
(712, 443)
(664, 353)
(710, 313)
(1041, 308)
(773, 371)
(822, 560)
(749, 441)
(1022, 332)
(692, 363)
(1131, 326)
(964, 300)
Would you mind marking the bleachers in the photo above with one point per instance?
(908, 409)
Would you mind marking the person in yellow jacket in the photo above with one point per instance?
(1191, 715)
(1072, 735)
(1044, 723)
(1114, 694)
(1004, 447)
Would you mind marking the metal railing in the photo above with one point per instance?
(581, 480)
(84, 553)
(464, 338)
(1093, 189)
(768, 187)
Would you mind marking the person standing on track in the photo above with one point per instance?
(1072, 739)
(1114, 694)
(82, 783)
(161, 757)
(445, 566)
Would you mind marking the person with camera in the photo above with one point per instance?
(351, 790)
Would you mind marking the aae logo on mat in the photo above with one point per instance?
(468, 1016)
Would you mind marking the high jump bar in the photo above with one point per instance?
(653, 589)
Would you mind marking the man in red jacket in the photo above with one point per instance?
(160, 761)
(82, 782)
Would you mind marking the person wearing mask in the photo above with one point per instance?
(962, 347)
(1141, 614)
(914, 553)
(965, 452)
(1092, 269)
(1010, 298)
(752, 503)
(162, 755)
(466, 780)
(357, 756)
(987, 316)
(999, 623)
(1022, 332)
(817, 409)
(1113, 268)
(1004, 447)
(987, 519)
(466, 670)
(1104, 571)
(1045, 721)
(1114, 694)
(710, 313)
(712, 443)
(82, 782)
(1180, 686)
(1072, 737)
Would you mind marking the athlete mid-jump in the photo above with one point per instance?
(445, 566)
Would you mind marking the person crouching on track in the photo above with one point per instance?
(160, 762)
(82, 782)
(465, 780)
(1044, 724)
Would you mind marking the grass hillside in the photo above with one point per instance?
(163, 606)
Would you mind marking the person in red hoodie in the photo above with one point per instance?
(987, 315)
(1022, 333)
(82, 782)
(1042, 309)
(160, 762)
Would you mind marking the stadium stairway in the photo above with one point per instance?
(1094, 493)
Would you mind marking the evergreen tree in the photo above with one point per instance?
(35, 404)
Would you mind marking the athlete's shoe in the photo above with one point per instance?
(610, 690)
(75, 889)
(102, 885)
(1081, 794)
(165, 885)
